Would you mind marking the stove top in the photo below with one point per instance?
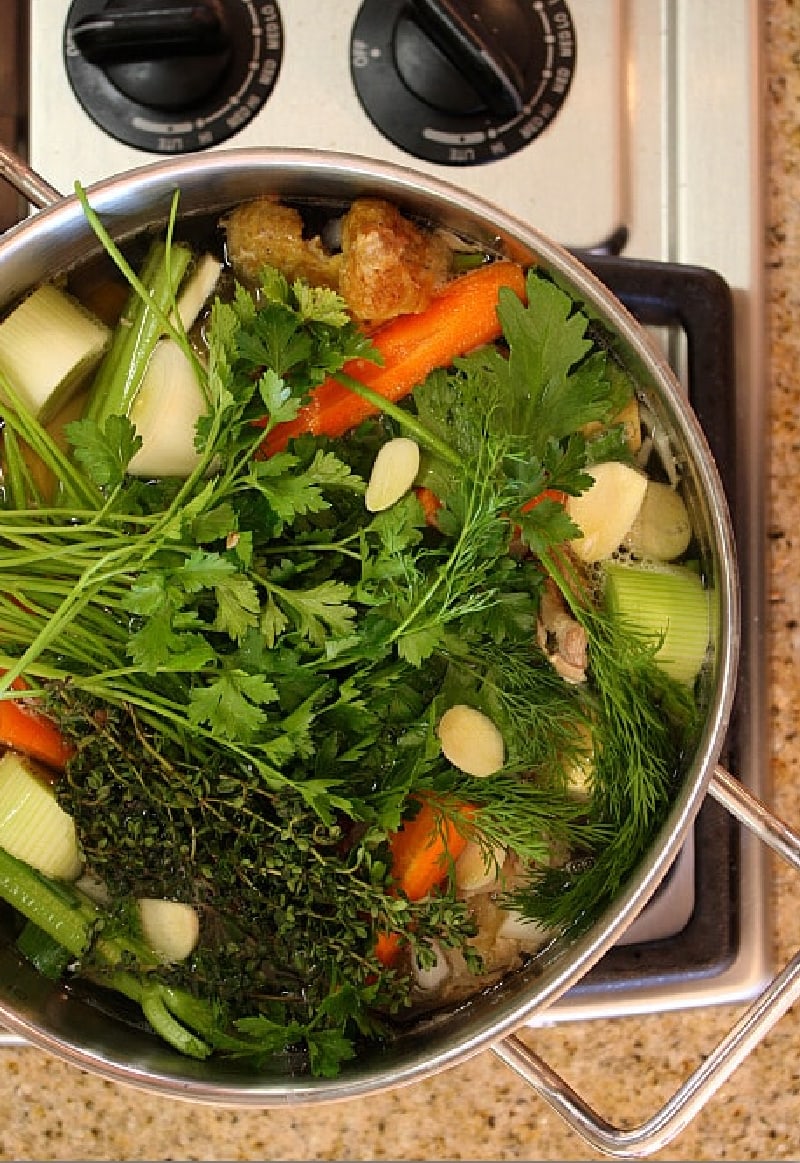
(625, 125)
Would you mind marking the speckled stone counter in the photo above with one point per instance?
(626, 1067)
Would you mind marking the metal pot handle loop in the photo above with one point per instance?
(26, 181)
(673, 1117)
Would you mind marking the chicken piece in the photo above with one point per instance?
(266, 233)
(387, 265)
(561, 636)
(390, 266)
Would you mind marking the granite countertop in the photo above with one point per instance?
(626, 1067)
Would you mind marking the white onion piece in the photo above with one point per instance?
(434, 976)
(476, 868)
(171, 928)
(515, 927)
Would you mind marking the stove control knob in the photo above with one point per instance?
(172, 77)
(461, 82)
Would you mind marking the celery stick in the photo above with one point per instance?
(46, 954)
(63, 914)
(665, 604)
(60, 914)
(119, 376)
(156, 1011)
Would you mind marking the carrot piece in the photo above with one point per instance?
(27, 730)
(387, 948)
(423, 850)
(548, 494)
(462, 316)
(430, 504)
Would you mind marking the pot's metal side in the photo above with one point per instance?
(55, 240)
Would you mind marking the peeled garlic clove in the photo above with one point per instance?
(471, 741)
(393, 473)
(606, 511)
(170, 928)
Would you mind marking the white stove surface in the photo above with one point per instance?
(660, 134)
(314, 105)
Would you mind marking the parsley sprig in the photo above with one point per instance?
(252, 666)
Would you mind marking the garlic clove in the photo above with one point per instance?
(394, 471)
(607, 510)
(531, 934)
(471, 741)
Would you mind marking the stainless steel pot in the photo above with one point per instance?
(58, 238)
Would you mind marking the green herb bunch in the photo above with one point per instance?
(251, 666)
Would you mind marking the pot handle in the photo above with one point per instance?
(26, 181)
(673, 1117)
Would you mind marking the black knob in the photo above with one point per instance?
(164, 56)
(484, 46)
(462, 81)
(123, 31)
(169, 76)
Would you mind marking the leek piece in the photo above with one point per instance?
(165, 413)
(170, 401)
(170, 928)
(139, 329)
(667, 604)
(33, 825)
(200, 286)
(49, 345)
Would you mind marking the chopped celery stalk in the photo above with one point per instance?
(139, 329)
(43, 951)
(33, 825)
(49, 345)
(168, 405)
(163, 1007)
(171, 928)
(157, 1012)
(159, 391)
(667, 604)
(67, 918)
(63, 914)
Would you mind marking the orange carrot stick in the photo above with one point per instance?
(462, 316)
(549, 494)
(423, 850)
(27, 730)
(430, 504)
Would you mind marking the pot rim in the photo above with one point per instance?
(130, 200)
